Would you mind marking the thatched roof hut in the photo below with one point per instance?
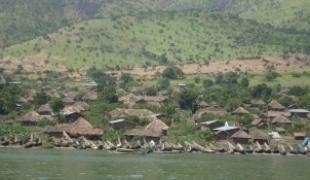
(203, 104)
(273, 114)
(143, 133)
(30, 118)
(141, 113)
(90, 96)
(258, 122)
(68, 100)
(130, 98)
(299, 135)
(259, 136)
(157, 125)
(281, 120)
(45, 110)
(240, 111)
(257, 102)
(276, 106)
(241, 137)
(280, 130)
(80, 127)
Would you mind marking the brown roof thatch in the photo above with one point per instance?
(81, 123)
(45, 109)
(258, 122)
(257, 102)
(241, 135)
(157, 125)
(281, 120)
(259, 135)
(68, 100)
(119, 112)
(275, 105)
(59, 128)
(143, 133)
(273, 114)
(280, 130)
(299, 134)
(83, 106)
(90, 96)
(240, 111)
(31, 116)
(80, 127)
(203, 104)
(130, 98)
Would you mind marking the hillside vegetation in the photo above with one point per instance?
(145, 32)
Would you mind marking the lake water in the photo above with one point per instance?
(20, 164)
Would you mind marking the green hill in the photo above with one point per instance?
(147, 32)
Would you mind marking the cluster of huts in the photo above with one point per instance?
(78, 132)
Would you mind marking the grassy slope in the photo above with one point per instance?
(131, 32)
(281, 13)
(186, 36)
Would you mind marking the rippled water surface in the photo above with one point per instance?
(23, 164)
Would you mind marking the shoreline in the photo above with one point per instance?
(140, 152)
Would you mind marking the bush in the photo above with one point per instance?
(207, 83)
(173, 72)
(187, 99)
(163, 83)
(56, 104)
(297, 91)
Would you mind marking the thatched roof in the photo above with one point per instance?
(130, 98)
(45, 108)
(203, 104)
(119, 112)
(272, 114)
(240, 111)
(90, 96)
(280, 129)
(158, 98)
(157, 125)
(257, 122)
(59, 128)
(259, 135)
(257, 102)
(81, 123)
(68, 100)
(281, 120)
(143, 133)
(70, 110)
(75, 108)
(299, 134)
(83, 106)
(241, 135)
(31, 116)
(275, 105)
(80, 127)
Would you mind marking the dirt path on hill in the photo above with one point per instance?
(256, 66)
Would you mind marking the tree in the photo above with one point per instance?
(56, 104)
(109, 94)
(163, 83)
(41, 98)
(207, 83)
(262, 91)
(245, 82)
(297, 91)
(126, 80)
(173, 72)
(187, 99)
(271, 75)
(151, 91)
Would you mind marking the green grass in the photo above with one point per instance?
(182, 37)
